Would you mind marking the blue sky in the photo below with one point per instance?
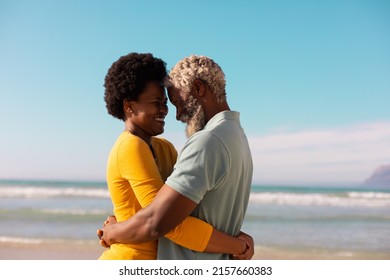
(310, 78)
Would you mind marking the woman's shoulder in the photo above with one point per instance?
(164, 147)
(126, 136)
(161, 141)
(128, 140)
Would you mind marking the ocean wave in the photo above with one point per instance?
(39, 241)
(349, 199)
(369, 195)
(46, 192)
(20, 240)
(74, 212)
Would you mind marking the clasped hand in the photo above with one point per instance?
(250, 249)
(103, 232)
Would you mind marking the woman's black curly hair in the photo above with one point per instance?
(127, 78)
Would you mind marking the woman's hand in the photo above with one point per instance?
(100, 232)
(250, 248)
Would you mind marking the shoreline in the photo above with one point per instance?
(92, 250)
(276, 253)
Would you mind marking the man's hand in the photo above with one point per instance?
(103, 232)
(250, 248)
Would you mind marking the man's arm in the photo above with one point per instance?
(167, 210)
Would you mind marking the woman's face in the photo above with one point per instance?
(149, 111)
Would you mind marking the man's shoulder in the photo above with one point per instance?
(204, 138)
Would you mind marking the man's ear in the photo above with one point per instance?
(199, 87)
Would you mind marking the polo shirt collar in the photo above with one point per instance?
(230, 115)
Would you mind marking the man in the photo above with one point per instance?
(213, 174)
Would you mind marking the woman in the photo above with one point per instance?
(139, 162)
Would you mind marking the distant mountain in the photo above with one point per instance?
(380, 177)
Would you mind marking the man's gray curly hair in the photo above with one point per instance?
(187, 70)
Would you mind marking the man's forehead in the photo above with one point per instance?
(174, 92)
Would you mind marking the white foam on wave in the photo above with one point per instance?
(369, 195)
(20, 240)
(37, 241)
(44, 192)
(76, 212)
(348, 199)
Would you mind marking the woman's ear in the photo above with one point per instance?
(127, 106)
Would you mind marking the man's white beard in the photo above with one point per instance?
(196, 123)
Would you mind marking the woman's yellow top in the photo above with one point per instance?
(134, 176)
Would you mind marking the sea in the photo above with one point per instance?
(344, 219)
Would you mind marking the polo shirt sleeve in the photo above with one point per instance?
(201, 167)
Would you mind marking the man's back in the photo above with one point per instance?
(214, 170)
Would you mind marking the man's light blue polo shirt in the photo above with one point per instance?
(214, 169)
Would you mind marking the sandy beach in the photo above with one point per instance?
(91, 251)
(54, 251)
